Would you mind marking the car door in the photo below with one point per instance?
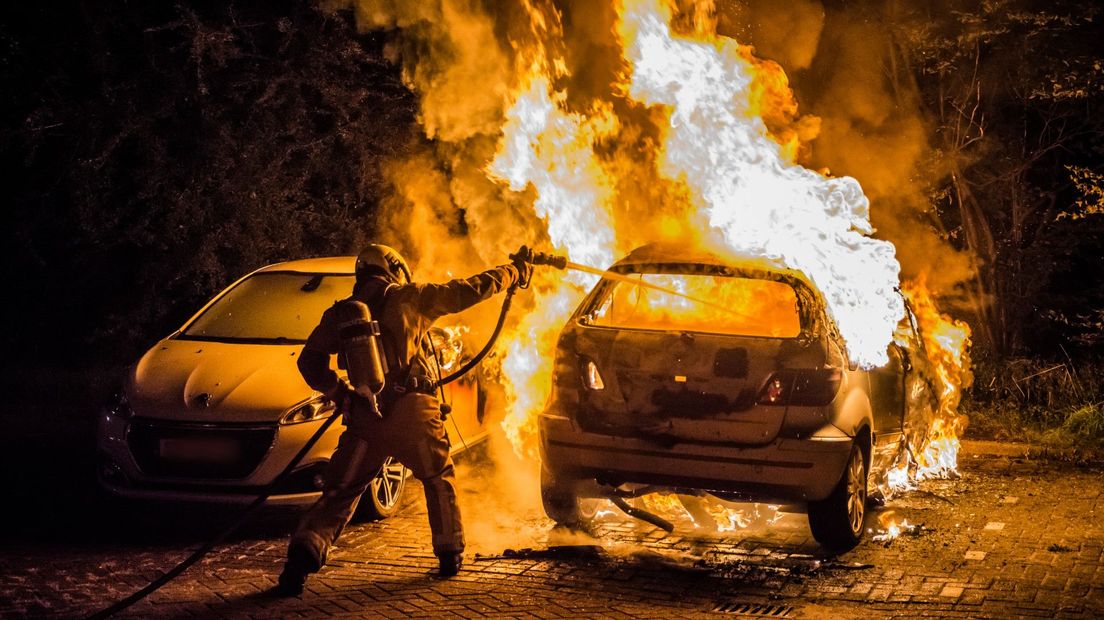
(887, 403)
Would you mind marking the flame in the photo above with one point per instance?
(666, 505)
(754, 200)
(743, 306)
(450, 346)
(725, 163)
(728, 519)
(709, 512)
(891, 526)
(945, 343)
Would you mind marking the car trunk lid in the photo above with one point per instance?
(674, 386)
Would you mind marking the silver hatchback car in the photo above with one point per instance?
(739, 387)
(215, 411)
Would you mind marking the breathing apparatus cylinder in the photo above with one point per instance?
(360, 346)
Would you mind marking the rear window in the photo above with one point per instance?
(718, 304)
(274, 307)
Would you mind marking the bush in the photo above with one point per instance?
(167, 149)
(1086, 423)
(1056, 403)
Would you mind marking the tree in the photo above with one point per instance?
(1012, 88)
(169, 149)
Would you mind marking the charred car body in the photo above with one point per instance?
(739, 386)
(215, 411)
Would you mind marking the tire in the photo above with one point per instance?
(384, 495)
(838, 521)
(480, 401)
(562, 503)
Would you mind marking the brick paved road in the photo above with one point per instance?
(1014, 537)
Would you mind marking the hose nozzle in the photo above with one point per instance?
(526, 254)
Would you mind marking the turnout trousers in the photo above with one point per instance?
(413, 433)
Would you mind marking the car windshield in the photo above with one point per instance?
(719, 304)
(271, 307)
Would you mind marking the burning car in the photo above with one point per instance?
(217, 410)
(685, 372)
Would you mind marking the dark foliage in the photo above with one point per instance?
(161, 150)
(1013, 89)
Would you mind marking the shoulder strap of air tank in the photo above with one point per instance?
(388, 340)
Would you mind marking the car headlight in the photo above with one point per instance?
(314, 409)
(119, 405)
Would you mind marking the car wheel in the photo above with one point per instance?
(562, 503)
(481, 402)
(838, 520)
(384, 495)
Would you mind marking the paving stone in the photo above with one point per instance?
(991, 554)
(951, 591)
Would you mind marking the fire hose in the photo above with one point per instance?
(525, 255)
(199, 553)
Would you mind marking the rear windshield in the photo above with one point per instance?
(271, 307)
(700, 303)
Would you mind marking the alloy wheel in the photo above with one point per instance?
(856, 491)
(387, 486)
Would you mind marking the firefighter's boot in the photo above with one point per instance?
(300, 563)
(449, 563)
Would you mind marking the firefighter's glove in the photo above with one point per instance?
(344, 394)
(341, 395)
(524, 271)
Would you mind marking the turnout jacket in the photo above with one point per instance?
(405, 313)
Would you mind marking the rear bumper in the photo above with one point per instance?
(784, 470)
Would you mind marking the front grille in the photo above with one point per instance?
(204, 451)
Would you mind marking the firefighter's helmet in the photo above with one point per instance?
(378, 259)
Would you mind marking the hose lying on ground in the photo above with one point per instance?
(198, 554)
(642, 514)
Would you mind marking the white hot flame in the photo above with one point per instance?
(760, 204)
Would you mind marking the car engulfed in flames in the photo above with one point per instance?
(725, 377)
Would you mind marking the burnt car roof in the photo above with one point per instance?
(684, 253)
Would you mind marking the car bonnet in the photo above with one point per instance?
(215, 382)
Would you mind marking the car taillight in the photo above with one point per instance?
(774, 392)
(801, 387)
(591, 377)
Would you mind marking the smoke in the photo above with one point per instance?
(501, 503)
(451, 58)
(467, 59)
(788, 33)
(847, 70)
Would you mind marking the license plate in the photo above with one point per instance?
(207, 450)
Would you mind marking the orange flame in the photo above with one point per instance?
(934, 440)
(695, 139)
(729, 137)
(892, 526)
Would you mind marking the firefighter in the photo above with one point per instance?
(407, 424)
